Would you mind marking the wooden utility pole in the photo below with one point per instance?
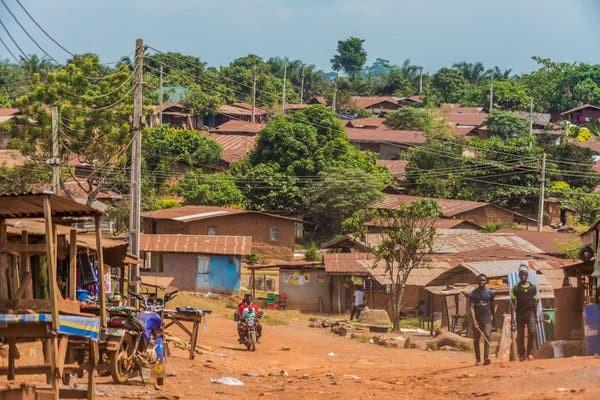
(283, 92)
(420, 80)
(136, 157)
(540, 225)
(162, 94)
(253, 119)
(492, 93)
(333, 98)
(55, 161)
(302, 86)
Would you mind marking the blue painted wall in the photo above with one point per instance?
(224, 274)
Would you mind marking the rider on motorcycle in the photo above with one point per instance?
(248, 304)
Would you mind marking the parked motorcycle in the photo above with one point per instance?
(248, 321)
(141, 343)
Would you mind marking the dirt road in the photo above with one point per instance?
(297, 362)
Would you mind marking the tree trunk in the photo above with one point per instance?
(396, 306)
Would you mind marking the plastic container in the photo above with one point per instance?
(591, 320)
(82, 295)
(549, 317)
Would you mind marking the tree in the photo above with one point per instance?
(449, 84)
(350, 57)
(508, 95)
(406, 241)
(218, 189)
(95, 106)
(506, 124)
(576, 165)
(417, 119)
(586, 205)
(338, 194)
(314, 79)
(474, 73)
(265, 187)
(23, 178)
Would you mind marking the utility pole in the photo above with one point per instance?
(333, 99)
(283, 92)
(540, 225)
(302, 86)
(55, 161)
(253, 119)
(420, 80)
(492, 93)
(161, 91)
(136, 157)
(531, 124)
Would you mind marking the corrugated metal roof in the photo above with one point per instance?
(195, 213)
(236, 127)
(362, 135)
(235, 147)
(371, 101)
(397, 168)
(30, 205)
(201, 244)
(346, 263)
(365, 123)
(548, 242)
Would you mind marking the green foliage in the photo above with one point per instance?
(508, 95)
(492, 226)
(417, 119)
(24, 178)
(167, 202)
(312, 253)
(449, 84)
(338, 194)
(217, 189)
(506, 124)
(576, 165)
(350, 56)
(165, 150)
(408, 237)
(586, 205)
(571, 247)
(265, 187)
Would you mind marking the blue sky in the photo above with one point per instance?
(432, 33)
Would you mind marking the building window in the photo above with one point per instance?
(156, 262)
(212, 230)
(299, 230)
(274, 234)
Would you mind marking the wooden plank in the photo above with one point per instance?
(505, 342)
(3, 261)
(13, 276)
(101, 271)
(72, 264)
(12, 347)
(194, 340)
(26, 283)
(26, 264)
(51, 254)
(22, 331)
(55, 378)
(62, 354)
(37, 248)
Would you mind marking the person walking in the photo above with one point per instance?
(481, 301)
(524, 298)
(359, 301)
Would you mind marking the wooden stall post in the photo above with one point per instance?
(27, 283)
(51, 254)
(72, 264)
(3, 261)
(253, 277)
(100, 257)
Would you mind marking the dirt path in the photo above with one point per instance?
(357, 371)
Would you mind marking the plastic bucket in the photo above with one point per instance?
(82, 295)
(559, 348)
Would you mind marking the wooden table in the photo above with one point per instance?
(178, 318)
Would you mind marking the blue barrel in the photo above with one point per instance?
(82, 295)
(591, 321)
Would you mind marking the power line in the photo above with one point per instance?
(43, 30)
(27, 33)
(13, 40)
(9, 50)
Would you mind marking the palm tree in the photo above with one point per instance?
(474, 73)
(499, 74)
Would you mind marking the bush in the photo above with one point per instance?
(312, 253)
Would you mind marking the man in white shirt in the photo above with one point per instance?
(359, 301)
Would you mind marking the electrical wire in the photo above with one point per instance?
(43, 30)
(27, 32)
(13, 40)
(9, 50)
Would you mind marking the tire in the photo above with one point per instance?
(252, 341)
(119, 371)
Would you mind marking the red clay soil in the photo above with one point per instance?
(294, 362)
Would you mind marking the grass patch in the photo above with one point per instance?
(409, 323)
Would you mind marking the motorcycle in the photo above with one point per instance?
(141, 344)
(248, 321)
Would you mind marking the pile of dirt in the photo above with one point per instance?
(374, 317)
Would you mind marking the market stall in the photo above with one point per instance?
(32, 305)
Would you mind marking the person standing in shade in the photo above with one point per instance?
(481, 301)
(359, 301)
(524, 298)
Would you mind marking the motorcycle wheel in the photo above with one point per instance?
(252, 340)
(120, 371)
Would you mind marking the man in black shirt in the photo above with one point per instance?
(524, 298)
(481, 301)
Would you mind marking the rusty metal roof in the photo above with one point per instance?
(235, 146)
(548, 242)
(236, 127)
(201, 244)
(362, 135)
(397, 168)
(371, 101)
(195, 213)
(347, 263)
(30, 205)
(365, 123)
